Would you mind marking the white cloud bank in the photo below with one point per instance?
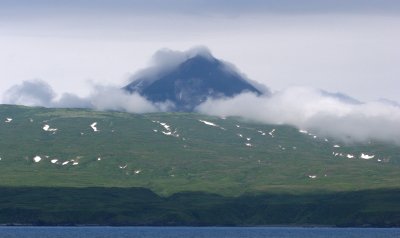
(324, 114)
(39, 93)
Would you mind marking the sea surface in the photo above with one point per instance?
(195, 232)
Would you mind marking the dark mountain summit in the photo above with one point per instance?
(191, 82)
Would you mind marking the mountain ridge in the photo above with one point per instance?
(191, 82)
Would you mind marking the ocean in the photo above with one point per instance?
(196, 232)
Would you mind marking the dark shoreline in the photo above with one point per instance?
(122, 207)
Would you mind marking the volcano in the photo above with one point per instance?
(192, 82)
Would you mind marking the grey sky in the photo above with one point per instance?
(347, 46)
(201, 7)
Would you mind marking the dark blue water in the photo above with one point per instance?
(192, 232)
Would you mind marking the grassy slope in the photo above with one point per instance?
(207, 175)
(203, 158)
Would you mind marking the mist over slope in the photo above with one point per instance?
(324, 113)
(311, 109)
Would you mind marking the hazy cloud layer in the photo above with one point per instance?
(330, 115)
(39, 93)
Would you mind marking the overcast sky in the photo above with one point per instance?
(349, 46)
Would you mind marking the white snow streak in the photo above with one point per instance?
(271, 133)
(93, 126)
(212, 124)
(366, 156)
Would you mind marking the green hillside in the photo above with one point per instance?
(70, 166)
(185, 154)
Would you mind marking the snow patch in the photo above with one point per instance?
(37, 159)
(312, 176)
(336, 146)
(366, 156)
(123, 167)
(211, 124)
(350, 156)
(8, 120)
(248, 144)
(65, 163)
(138, 171)
(47, 128)
(283, 148)
(303, 131)
(167, 129)
(165, 125)
(53, 161)
(94, 126)
(338, 154)
(261, 132)
(271, 133)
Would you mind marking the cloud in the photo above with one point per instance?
(39, 93)
(115, 99)
(165, 59)
(69, 100)
(321, 112)
(325, 114)
(30, 93)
